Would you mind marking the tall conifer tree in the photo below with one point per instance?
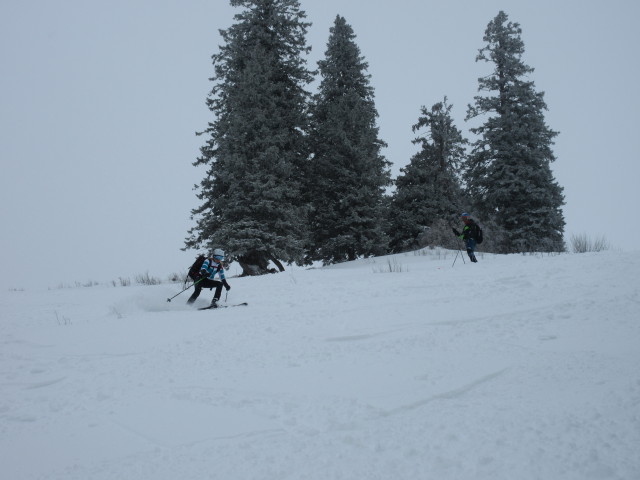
(348, 173)
(509, 174)
(428, 188)
(255, 151)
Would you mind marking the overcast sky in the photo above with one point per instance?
(100, 102)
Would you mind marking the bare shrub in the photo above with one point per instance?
(176, 277)
(62, 320)
(392, 266)
(146, 279)
(582, 243)
(601, 244)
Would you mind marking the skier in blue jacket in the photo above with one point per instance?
(211, 268)
(468, 235)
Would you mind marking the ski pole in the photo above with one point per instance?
(169, 299)
(461, 256)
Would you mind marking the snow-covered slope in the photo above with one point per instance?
(401, 367)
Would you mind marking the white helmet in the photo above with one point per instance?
(218, 252)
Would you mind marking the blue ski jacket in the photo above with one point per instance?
(211, 269)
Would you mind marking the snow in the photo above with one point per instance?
(400, 367)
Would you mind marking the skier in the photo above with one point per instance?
(469, 232)
(210, 268)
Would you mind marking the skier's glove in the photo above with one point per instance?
(203, 275)
(226, 285)
(455, 232)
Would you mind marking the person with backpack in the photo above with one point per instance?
(471, 235)
(210, 268)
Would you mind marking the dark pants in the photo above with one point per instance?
(471, 245)
(206, 284)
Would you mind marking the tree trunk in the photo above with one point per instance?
(257, 263)
(254, 263)
(277, 262)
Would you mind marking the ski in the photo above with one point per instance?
(223, 306)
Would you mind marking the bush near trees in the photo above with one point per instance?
(582, 243)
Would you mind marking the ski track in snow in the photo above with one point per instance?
(522, 367)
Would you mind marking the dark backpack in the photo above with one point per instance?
(194, 270)
(478, 234)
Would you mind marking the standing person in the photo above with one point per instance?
(210, 268)
(469, 235)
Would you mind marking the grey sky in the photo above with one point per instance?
(99, 102)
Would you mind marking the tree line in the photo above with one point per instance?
(296, 177)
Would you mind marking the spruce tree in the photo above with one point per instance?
(256, 149)
(508, 174)
(428, 188)
(347, 172)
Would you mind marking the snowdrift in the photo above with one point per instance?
(400, 367)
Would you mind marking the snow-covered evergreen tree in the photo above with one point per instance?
(428, 188)
(508, 174)
(347, 172)
(256, 149)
